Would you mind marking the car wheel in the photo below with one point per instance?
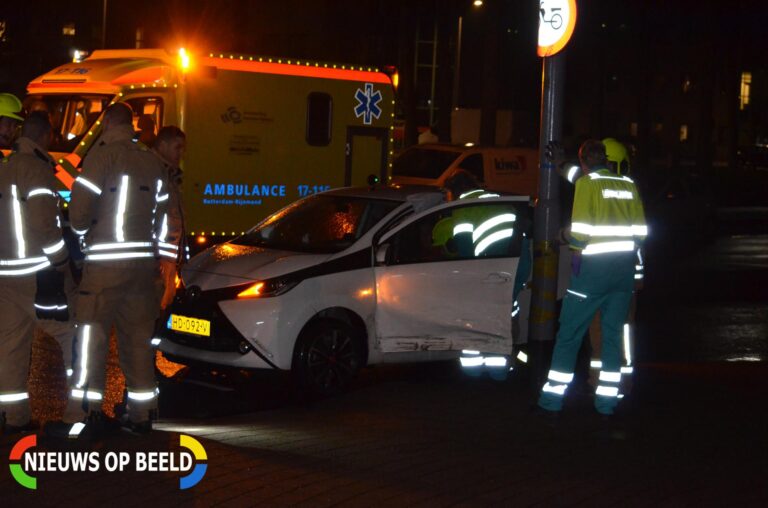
(327, 357)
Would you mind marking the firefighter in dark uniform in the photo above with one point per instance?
(118, 206)
(33, 261)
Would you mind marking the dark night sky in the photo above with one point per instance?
(366, 31)
(617, 45)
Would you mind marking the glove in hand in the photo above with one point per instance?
(575, 263)
(554, 153)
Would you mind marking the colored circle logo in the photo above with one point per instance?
(193, 478)
(29, 482)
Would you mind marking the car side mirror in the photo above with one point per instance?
(381, 254)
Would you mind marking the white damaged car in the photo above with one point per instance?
(352, 277)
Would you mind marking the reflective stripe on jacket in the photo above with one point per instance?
(119, 200)
(608, 214)
(173, 247)
(30, 221)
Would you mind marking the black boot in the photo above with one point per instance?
(141, 428)
(6, 429)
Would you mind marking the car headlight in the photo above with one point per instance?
(266, 288)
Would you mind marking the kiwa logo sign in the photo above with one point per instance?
(25, 462)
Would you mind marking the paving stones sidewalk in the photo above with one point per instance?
(696, 435)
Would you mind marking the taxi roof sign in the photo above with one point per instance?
(557, 19)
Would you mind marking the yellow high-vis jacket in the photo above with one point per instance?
(30, 222)
(608, 215)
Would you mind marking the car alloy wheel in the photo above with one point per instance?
(327, 357)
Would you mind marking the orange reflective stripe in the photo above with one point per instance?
(76, 86)
(296, 70)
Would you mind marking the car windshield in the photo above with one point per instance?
(423, 163)
(71, 116)
(318, 224)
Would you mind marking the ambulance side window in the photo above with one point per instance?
(319, 119)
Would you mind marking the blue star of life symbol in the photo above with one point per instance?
(368, 104)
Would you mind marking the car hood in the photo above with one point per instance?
(230, 265)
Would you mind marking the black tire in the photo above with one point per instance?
(327, 358)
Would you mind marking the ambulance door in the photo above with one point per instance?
(366, 154)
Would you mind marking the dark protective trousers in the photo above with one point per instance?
(17, 330)
(605, 283)
(124, 294)
(628, 349)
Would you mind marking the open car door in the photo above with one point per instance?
(445, 278)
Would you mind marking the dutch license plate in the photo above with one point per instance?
(191, 325)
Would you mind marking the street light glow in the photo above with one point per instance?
(478, 3)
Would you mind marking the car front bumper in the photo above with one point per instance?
(249, 360)
(233, 343)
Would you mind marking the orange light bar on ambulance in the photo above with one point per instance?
(289, 68)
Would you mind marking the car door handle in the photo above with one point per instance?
(498, 278)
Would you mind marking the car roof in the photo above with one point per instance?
(393, 192)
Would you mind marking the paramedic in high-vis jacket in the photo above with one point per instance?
(118, 207)
(618, 162)
(33, 262)
(470, 232)
(607, 227)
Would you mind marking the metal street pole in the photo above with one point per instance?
(457, 67)
(546, 220)
(104, 25)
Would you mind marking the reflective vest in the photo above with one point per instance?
(608, 215)
(30, 222)
(119, 201)
(475, 231)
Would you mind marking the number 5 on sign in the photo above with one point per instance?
(557, 19)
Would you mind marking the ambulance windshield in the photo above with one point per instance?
(72, 116)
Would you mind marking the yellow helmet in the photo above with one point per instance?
(10, 106)
(618, 157)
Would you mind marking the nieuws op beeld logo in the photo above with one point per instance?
(25, 462)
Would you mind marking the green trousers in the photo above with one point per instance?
(604, 283)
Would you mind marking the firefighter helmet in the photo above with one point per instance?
(10, 106)
(618, 157)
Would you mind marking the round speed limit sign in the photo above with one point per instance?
(557, 19)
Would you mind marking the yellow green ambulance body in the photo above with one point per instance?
(261, 132)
